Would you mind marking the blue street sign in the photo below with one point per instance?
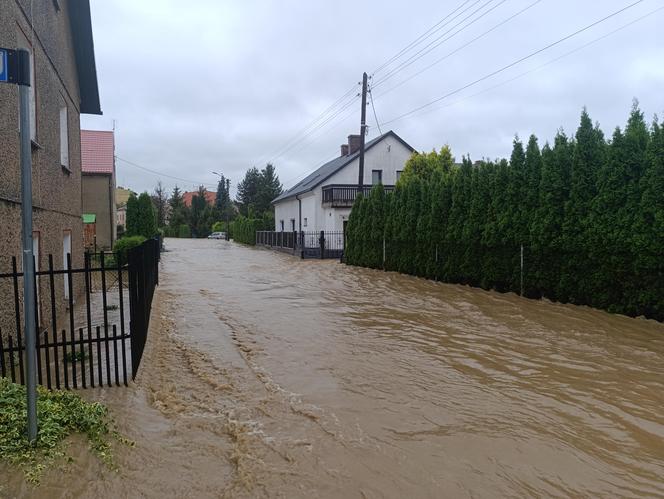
(4, 72)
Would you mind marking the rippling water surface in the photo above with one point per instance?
(350, 382)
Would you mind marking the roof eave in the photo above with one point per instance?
(84, 52)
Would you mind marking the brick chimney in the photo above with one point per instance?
(344, 149)
(353, 143)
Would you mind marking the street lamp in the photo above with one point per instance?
(228, 185)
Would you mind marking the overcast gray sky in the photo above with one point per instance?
(225, 85)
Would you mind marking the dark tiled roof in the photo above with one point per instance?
(319, 176)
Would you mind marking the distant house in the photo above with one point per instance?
(64, 86)
(122, 195)
(210, 197)
(323, 199)
(98, 190)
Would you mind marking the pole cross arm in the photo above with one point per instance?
(15, 66)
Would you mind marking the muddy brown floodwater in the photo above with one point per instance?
(269, 376)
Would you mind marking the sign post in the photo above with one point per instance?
(15, 68)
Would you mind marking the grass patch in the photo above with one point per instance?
(60, 414)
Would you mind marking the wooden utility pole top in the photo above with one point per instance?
(363, 132)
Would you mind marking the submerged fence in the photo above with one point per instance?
(306, 244)
(91, 340)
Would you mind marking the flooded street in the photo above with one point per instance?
(266, 375)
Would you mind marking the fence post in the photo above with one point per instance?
(321, 241)
(522, 270)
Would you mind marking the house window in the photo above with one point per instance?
(64, 137)
(281, 223)
(399, 172)
(24, 44)
(292, 223)
(376, 177)
(305, 221)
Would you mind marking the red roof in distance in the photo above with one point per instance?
(210, 197)
(97, 152)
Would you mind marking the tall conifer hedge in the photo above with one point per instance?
(588, 211)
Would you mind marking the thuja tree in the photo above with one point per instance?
(589, 213)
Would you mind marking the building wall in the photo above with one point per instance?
(390, 156)
(97, 198)
(56, 190)
(289, 210)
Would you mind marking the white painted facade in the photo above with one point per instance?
(389, 156)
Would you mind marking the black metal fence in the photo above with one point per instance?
(306, 244)
(88, 342)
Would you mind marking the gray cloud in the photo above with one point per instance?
(220, 85)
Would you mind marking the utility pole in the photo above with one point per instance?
(363, 132)
(15, 68)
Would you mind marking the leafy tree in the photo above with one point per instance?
(269, 189)
(160, 202)
(257, 190)
(133, 216)
(201, 215)
(148, 218)
(222, 203)
(247, 190)
(141, 218)
(179, 212)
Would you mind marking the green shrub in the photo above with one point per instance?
(184, 231)
(126, 243)
(60, 413)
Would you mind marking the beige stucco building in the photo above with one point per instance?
(58, 34)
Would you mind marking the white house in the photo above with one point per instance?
(323, 200)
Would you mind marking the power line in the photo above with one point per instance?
(439, 41)
(482, 35)
(514, 63)
(340, 105)
(160, 174)
(551, 61)
(424, 35)
(337, 107)
(318, 127)
(374, 110)
(304, 131)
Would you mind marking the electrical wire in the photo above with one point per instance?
(318, 127)
(423, 36)
(549, 62)
(160, 174)
(374, 111)
(314, 123)
(437, 42)
(337, 107)
(514, 63)
(446, 56)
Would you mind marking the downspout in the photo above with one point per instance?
(297, 196)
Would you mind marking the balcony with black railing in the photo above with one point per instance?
(344, 195)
